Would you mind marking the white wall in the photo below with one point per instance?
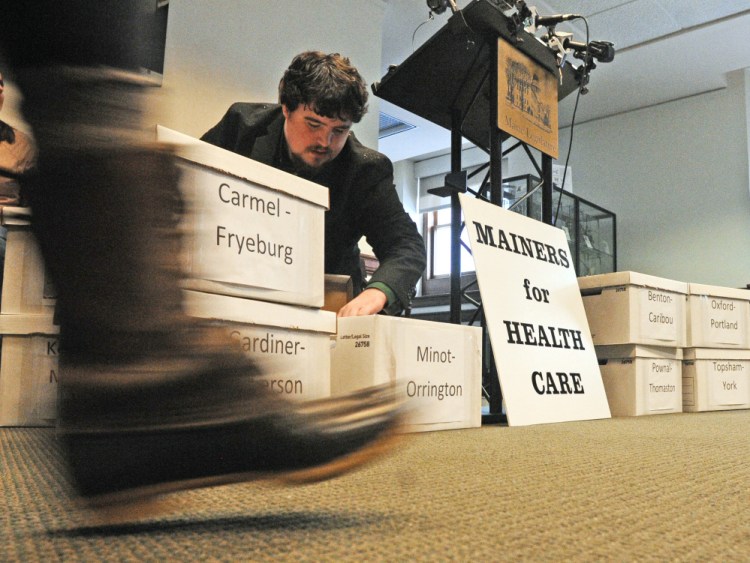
(676, 175)
(746, 81)
(223, 51)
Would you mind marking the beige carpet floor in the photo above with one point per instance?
(660, 488)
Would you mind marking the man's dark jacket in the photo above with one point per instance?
(363, 200)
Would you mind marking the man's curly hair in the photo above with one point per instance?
(327, 84)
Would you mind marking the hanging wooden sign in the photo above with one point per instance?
(527, 99)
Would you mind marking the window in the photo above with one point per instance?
(436, 225)
(438, 229)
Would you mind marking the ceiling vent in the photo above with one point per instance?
(390, 125)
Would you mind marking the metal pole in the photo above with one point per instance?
(496, 153)
(547, 189)
(455, 307)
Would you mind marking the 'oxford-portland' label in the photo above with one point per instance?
(723, 320)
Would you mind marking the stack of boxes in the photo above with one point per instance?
(29, 346)
(667, 346)
(638, 326)
(254, 261)
(253, 255)
(716, 366)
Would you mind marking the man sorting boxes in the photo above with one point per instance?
(151, 401)
(308, 134)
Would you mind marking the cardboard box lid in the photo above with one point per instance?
(263, 313)
(718, 291)
(601, 281)
(716, 354)
(234, 164)
(27, 325)
(10, 215)
(388, 321)
(631, 351)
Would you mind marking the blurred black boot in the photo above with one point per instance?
(150, 400)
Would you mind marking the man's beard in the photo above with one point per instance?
(305, 170)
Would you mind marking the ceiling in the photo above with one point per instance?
(665, 50)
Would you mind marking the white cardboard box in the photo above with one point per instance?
(634, 308)
(26, 287)
(714, 379)
(291, 344)
(718, 317)
(254, 231)
(28, 370)
(641, 380)
(436, 366)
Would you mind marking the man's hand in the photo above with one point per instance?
(370, 302)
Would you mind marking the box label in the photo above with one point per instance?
(434, 371)
(660, 314)
(728, 382)
(250, 235)
(724, 320)
(295, 364)
(663, 389)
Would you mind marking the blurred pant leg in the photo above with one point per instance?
(149, 401)
(104, 201)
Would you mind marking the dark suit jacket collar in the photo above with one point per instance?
(267, 144)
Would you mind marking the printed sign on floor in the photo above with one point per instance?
(537, 325)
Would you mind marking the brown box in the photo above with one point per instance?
(339, 290)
